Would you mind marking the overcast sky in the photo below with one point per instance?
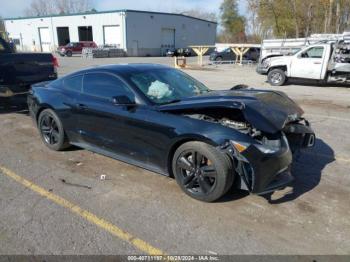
(15, 8)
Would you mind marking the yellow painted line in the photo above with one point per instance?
(100, 222)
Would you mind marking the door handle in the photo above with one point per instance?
(317, 63)
(81, 106)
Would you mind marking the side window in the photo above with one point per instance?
(73, 83)
(313, 52)
(105, 86)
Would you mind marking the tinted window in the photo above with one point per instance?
(73, 83)
(105, 86)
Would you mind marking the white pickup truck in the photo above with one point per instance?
(327, 62)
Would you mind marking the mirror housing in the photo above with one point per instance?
(122, 101)
(238, 87)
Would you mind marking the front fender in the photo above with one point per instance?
(280, 62)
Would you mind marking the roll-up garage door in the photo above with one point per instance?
(168, 39)
(45, 39)
(112, 35)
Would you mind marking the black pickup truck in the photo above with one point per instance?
(19, 70)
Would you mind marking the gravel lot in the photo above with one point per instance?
(311, 218)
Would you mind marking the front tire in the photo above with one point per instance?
(202, 172)
(69, 53)
(51, 130)
(218, 59)
(276, 77)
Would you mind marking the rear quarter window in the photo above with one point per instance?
(73, 83)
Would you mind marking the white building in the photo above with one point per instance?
(139, 33)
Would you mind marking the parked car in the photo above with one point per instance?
(326, 62)
(228, 55)
(75, 48)
(179, 52)
(161, 119)
(19, 70)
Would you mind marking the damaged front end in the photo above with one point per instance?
(264, 165)
(274, 128)
(260, 169)
(299, 134)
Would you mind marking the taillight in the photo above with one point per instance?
(55, 61)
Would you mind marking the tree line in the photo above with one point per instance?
(283, 19)
(297, 18)
(279, 19)
(53, 7)
(263, 19)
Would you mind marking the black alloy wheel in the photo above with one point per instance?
(202, 172)
(51, 130)
(199, 174)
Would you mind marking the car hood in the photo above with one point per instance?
(280, 59)
(267, 111)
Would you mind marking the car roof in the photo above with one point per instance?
(76, 42)
(122, 68)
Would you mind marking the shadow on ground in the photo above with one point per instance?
(307, 169)
(16, 104)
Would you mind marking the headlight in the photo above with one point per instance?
(269, 146)
(267, 150)
(63, 49)
(266, 63)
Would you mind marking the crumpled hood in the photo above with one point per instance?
(267, 111)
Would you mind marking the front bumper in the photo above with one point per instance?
(262, 70)
(262, 173)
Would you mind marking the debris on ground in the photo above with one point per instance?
(74, 184)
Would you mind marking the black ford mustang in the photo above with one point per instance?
(163, 120)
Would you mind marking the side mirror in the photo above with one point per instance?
(122, 101)
(238, 87)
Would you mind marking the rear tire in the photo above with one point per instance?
(202, 172)
(276, 77)
(51, 130)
